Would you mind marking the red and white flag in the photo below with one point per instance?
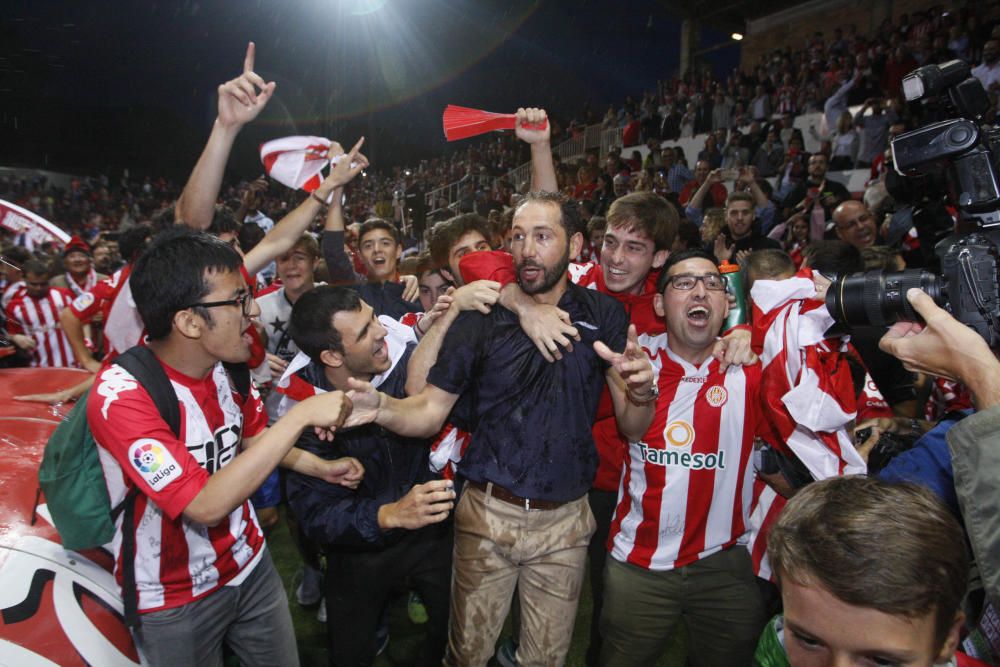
(36, 229)
(808, 394)
(297, 162)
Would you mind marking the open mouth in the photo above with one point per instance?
(530, 273)
(617, 273)
(382, 350)
(698, 315)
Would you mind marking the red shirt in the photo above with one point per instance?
(177, 560)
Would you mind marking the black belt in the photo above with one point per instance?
(500, 493)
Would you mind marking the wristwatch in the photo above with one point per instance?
(651, 397)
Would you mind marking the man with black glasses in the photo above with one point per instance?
(685, 491)
(202, 574)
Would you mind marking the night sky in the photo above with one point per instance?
(104, 85)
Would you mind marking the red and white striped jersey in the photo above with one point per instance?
(39, 318)
(177, 560)
(685, 491)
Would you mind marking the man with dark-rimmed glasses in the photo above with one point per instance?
(202, 574)
(682, 507)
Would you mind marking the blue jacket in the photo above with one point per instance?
(334, 515)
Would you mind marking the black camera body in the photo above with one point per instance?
(968, 286)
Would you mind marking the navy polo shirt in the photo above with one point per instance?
(532, 418)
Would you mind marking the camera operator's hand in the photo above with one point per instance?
(945, 347)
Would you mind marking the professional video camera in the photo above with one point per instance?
(968, 284)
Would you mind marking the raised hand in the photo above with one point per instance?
(632, 365)
(532, 126)
(242, 99)
(345, 167)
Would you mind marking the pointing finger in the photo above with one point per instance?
(248, 61)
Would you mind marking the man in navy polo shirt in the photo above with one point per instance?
(524, 519)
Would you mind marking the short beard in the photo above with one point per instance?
(550, 277)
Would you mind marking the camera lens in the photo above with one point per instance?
(878, 298)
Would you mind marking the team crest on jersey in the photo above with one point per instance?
(154, 462)
(84, 301)
(717, 396)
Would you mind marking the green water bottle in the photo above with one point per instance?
(734, 286)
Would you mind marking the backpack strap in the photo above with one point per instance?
(143, 365)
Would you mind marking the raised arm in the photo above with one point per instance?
(291, 228)
(632, 386)
(543, 171)
(698, 198)
(338, 263)
(240, 101)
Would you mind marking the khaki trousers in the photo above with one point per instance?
(499, 546)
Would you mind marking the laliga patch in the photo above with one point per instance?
(154, 462)
(84, 301)
(716, 396)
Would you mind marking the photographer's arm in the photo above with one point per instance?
(945, 347)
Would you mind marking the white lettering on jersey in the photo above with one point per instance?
(154, 462)
(114, 380)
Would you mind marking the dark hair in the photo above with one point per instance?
(649, 213)
(446, 233)
(172, 275)
(597, 222)
(570, 218)
(676, 258)
(249, 236)
(766, 264)
(891, 547)
(312, 319)
(37, 267)
(17, 254)
(223, 221)
(378, 223)
(830, 256)
(689, 234)
(133, 241)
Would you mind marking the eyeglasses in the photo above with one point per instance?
(686, 281)
(244, 301)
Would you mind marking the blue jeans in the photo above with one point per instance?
(252, 619)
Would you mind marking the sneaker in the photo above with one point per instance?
(321, 612)
(310, 589)
(507, 653)
(416, 610)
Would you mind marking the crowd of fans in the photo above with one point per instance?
(536, 404)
